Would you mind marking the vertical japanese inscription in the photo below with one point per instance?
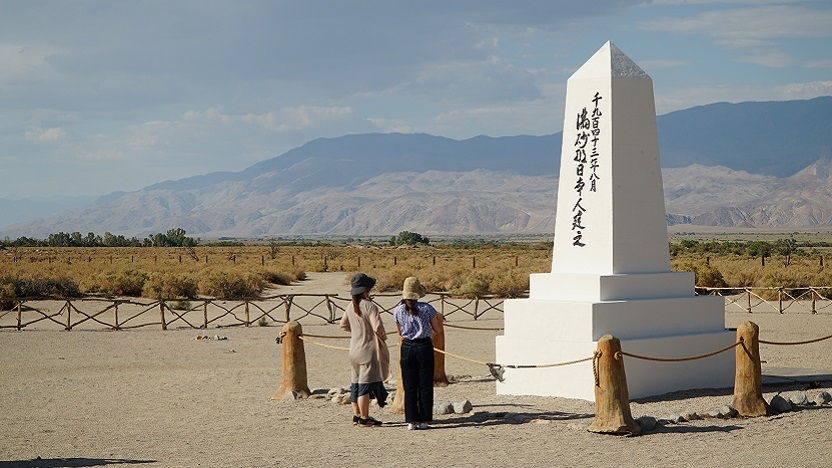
(588, 135)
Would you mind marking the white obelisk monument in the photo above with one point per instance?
(611, 262)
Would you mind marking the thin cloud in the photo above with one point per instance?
(45, 135)
(743, 28)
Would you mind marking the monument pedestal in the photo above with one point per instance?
(542, 330)
(611, 263)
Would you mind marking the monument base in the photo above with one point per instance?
(539, 332)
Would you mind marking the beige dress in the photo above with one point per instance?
(369, 356)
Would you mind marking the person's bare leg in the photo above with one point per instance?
(364, 405)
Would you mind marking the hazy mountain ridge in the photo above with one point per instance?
(384, 183)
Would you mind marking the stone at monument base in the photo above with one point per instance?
(644, 378)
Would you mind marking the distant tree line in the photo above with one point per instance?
(786, 247)
(409, 238)
(173, 238)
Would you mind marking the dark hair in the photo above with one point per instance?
(356, 300)
(410, 306)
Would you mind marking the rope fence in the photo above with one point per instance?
(613, 415)
(496, 370)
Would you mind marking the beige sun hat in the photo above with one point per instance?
(413, 289)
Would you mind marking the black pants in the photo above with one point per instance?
(417, 379)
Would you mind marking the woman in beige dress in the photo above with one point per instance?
(369, 357)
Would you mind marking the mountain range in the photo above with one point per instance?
(746, 165)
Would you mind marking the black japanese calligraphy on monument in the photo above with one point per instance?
(586, 179)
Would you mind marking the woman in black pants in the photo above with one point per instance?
(416, 322)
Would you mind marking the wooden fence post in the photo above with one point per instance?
(68, 313)
(748, 291)
(612, 398)
(162, 314)
(330, 309)
(294, 363)
(440, 379)
(397, 405)
(814, 301)
(288, 306)
(115, 315)
(248, 321)
(205, 315)
(19, 315)
(748, 379)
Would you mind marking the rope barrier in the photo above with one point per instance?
(701, 356)
(498, 370)
(473, 328)
(791, 343)
(304, 338)
(345, 337)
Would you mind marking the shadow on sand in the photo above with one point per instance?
(70, 462)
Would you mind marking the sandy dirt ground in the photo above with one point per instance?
(156, 398)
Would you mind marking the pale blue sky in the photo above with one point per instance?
(101, 95)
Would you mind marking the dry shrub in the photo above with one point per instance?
(125, 283)
(317, 266)
(40, 286)
(170, 285)
(476, 285)
(707, 276)
(231, 285)
(7, 294)
(276, 277)
(509, 285)
(393, 279)
(180, 304)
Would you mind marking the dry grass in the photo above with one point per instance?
(244, 271)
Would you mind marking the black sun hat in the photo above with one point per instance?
(361, 283)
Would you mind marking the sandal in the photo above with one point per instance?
(369, 422)
(356, 419)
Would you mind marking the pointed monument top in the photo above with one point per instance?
(621, 64)
(610, 61)
(611, 217)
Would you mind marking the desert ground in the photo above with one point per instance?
(155, 398)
